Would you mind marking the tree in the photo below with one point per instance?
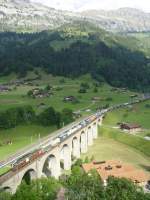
(81, 185)
(48, 88)
(85, 85)
(95, 90)
(49, 117)
(121, 188)
(67, 116)
(82, 90)
(40, 189)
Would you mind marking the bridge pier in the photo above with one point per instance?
(89, 136)
(83, 142)
(95, 131)
(66, 157)
(76, 147)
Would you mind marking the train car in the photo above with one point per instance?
(21, 163)
(63, 136)
(55, 142)
(37, 154)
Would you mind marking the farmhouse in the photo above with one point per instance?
(130, 127)
(69, 99)
(4, 88)
(39, 93)
(117, 169)
(96, 98)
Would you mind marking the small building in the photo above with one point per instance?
(130, 127)
(70, 99)
(117, 169)
(39, 93)
(96, 98)
(4, 88)
(133, 95)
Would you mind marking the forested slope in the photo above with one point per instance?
(75, 51)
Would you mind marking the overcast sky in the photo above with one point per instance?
(79, 5)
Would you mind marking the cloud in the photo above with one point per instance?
(79, 5)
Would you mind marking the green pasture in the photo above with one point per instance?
(138, 113)
(18, 96)
(133, 141)
(109, 149)
(21, 137)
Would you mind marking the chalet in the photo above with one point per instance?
(39, 93)
(130, 127)
(117, 169)
(4, 88)
(133, 95)
(96, 98)
(77, 114)
(69, 99)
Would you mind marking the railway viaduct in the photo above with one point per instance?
(56, 159)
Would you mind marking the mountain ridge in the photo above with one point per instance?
(26, 16)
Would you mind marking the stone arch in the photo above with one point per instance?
(29, 175)
(83, 142)
(89, 136)
(65, 157)
(75, 147)
(100, 121)
(7, 189)
(51, 167)
(94, 129)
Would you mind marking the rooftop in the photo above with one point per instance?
(117, 169)
(129, 126)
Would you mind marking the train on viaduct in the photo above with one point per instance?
(55, 155)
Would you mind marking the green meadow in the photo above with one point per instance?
(23, 136)
(18, 96)
(138, 113)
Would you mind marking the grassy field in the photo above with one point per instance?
(21, 136)
(18, 97)
(24, 135)
(114, 144)
(139, 114)
(109, 149)
(138, 143)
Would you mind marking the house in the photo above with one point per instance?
(96, 98)
(133, 95)
(39, 93)
(117, 169)
(70, 99)
(130, 127)
(4, 88)
(77, 114)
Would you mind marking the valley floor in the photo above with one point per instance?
(109, 149)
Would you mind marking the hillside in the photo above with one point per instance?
(26, 16)
(75, 50)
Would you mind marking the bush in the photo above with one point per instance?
(49, 117)
(15, 116)
(82, 90)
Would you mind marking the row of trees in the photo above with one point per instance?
(117, 65)
(41, 189)
(81, 185)
(26, 115)
(78, 186)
